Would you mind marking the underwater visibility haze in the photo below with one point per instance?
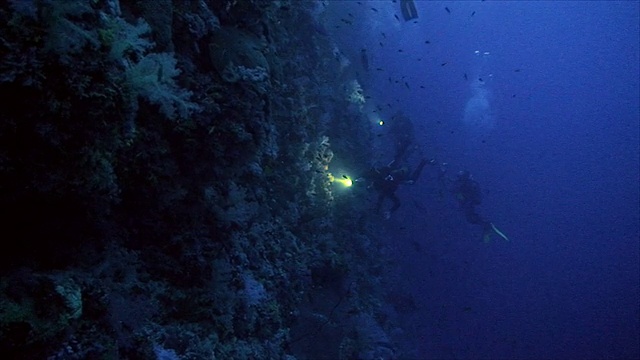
(320, 179)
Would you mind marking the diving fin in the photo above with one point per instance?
(495, 229)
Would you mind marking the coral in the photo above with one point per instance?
(253, 292)
(159, 14)
(204, 237)
(125, 40)
(233, 73)
(66, 37)
(71, 294)
(233, 208)
(43, 304)
(354, 93)
(164, 354)
(153, 78)
(236, 55)
(202, 21)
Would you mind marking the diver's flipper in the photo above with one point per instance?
(409, 11)
(495, 229)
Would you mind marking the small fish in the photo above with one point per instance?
(380, 69)
(407, 85)
(448, 11)
(396, 16)
(419, 59)
(480, 79)
(427, 42)
(473, 13)
(516, 70)
(345, 177)
(421, 86)
(383, 35)
(374, 9)
(380, 43)
(415, 22)
(443, 64)
(350, 14)
(466, 77)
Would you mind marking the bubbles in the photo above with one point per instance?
(477, 111)
(478, 116)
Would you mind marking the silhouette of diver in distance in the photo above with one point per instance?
(468, 194)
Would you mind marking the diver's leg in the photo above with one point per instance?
(472, 216)
(405, 11)
(412, 9)
(418, 171)
(396, 202)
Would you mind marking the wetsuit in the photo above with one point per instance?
(387, 181)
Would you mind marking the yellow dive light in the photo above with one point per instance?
(344, 180)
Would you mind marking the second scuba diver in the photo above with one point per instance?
(468, 194)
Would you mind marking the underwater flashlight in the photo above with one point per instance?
(344, 180)
(381, 122)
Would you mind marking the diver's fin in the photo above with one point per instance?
(409, 11)
(495, 229)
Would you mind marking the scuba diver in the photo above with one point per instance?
(467, 192)
(408, 8)
(386, 181)
(402, 131)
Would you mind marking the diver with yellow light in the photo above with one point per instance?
(386, 181)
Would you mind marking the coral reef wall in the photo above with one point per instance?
(165, 167)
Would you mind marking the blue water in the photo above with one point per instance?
(547, 121)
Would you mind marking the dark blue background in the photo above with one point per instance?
(560, 171)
